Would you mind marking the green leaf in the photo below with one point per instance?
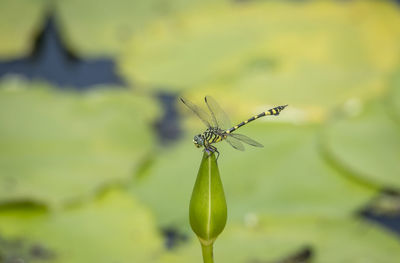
(101, 26)
(173, 175)
(289, 176)
(394, 96)
(19, 22)
(112, 228)
(207, 210)
(57, 147)
(312, 56)
(273, 239)
(367, 143)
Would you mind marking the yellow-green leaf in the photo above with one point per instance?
(273, 239)
(312, 56)
(20, 20)
(366, 142)
(112, 228)
(59, 146)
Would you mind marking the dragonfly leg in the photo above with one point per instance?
(217, 154)
(210, 149)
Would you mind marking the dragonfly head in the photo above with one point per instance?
(198, 141)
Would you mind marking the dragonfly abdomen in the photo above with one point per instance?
(274, 111)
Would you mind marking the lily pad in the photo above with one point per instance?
(394, 96)
(312, 55)
(60, 146)
(103, 27)
(273, 239)
(288, 177)
(367, 144)
(112, 228)
(173, 174)
(19, 21)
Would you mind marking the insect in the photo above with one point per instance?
(218, 123)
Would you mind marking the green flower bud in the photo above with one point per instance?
(208, 211)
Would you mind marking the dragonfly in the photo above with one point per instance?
(219, 127)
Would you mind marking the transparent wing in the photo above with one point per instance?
(245, 139)
(218, 116)
(203, 116)
(235, 143)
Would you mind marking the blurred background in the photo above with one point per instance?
(96, 156)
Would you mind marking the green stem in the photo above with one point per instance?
(207, 253)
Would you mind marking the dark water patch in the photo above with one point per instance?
(51, 60)
(173, 238)
(304, 255)
(19, 250)
(384, 209)
(168, 127)
(37, 251)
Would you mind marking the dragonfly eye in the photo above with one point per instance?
(198, 141)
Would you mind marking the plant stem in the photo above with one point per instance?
(207, 253)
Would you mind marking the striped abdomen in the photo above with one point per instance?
(273, 111)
